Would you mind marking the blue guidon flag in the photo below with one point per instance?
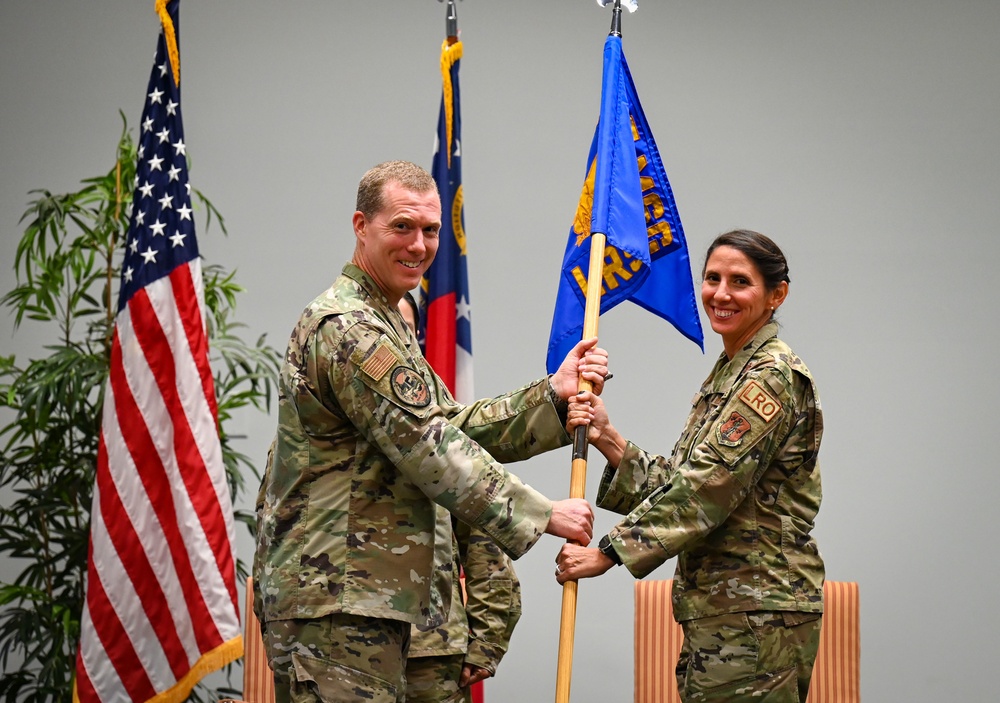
(446, 324)
(627, 197)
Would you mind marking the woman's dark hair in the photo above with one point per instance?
(764, 253)
(408, 297)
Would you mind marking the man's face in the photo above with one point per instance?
(397, 245)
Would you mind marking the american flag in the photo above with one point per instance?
(161, 606)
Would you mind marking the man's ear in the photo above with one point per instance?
(360, 223)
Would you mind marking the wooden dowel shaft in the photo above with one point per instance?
(578, 472)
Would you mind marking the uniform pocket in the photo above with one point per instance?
(494, 614)
(381, 368)
(804, 565)
(315, 679)
(722, 653)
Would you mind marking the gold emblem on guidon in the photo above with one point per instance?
(410, 387)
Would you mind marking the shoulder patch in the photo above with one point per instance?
(379, 362)
(409, 387)
(760, 401)
(730, 432)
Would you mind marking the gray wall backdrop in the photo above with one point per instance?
(862, 136)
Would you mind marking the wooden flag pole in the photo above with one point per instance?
(578, 472)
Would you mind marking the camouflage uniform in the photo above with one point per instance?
(477, 632)
(735, 502)
(368, 440)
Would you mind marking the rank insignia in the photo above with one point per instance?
(760, 401)
(379, 361)
(730, 433)
(410, 387)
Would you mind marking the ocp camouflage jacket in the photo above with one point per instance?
(480, 628)
(368, 440)
(737, 499)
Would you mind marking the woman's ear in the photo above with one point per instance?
(778, 295)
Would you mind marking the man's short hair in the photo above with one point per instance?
(407, 174)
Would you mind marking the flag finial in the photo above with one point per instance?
(631, 6)
(451, 19)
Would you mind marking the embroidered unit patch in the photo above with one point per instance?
(410, 387)
(730, 433)
(760, 401)
(378, 362)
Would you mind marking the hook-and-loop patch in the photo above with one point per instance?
(409, 387)
(760, 401)
(730, 432)
(379, 362)
(747, 417)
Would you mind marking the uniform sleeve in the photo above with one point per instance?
(517, 425)
(638, 474)
(258, 601)
(493, 597)
(713, 479)
(395, 410)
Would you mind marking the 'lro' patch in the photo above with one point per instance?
(760, 401)
(730, 433)
(379, 362)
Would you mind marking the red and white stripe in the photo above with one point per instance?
(161, 606)
(448, 359)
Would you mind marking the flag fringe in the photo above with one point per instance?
(171, 36)
(450, 54)
(225, 653)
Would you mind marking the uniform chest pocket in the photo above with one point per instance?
(703, 414)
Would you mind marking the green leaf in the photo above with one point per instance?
(48, 450)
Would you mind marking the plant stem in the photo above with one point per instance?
(111, 249)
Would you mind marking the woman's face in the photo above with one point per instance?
(736, 301)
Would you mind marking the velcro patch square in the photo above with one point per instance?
(760, 401)
(379, 362)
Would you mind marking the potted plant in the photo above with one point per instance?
(67, 281)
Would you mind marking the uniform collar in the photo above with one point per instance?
(358, 275)
(726, 370)
(380, 302)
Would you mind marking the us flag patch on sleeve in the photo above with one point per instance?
(760, 401)
(379, 362)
